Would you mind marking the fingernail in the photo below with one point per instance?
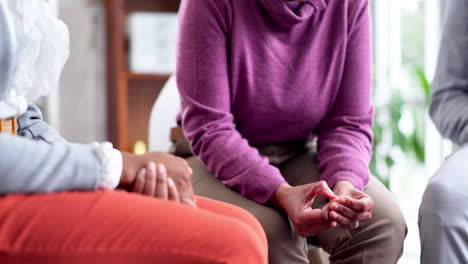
(171, 183)
(152, 167)
(162, 169)
(143, 171)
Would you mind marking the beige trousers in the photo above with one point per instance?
(379, 240)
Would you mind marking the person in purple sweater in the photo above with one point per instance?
(259, 80)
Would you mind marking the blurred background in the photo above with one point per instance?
(123, 52)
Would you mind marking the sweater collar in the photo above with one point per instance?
(289, 13)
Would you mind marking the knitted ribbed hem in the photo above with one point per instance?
(261, 186)
(283, 14)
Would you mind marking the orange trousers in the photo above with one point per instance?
(120, 227)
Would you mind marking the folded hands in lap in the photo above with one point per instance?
(159, 175)
(346, 208)
(167, 177)
(352, 206)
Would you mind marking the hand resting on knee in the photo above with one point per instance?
(352, 207)
(158, 174)
(346, 208)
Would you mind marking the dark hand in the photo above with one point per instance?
(153, 181)
(297, 203)
(177, 170)
(352, 206)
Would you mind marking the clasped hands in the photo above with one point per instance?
(347, 206)
(158, 174)
(168, 177)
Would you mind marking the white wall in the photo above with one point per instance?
(82, 106)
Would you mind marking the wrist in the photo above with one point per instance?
(343, 184)
(279, 196)
(127, 175)
(343, 188)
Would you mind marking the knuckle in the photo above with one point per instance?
(336, 206)
(181, 185)
(338, 217)
(152, 177)
(341, 219)
(362, 207)
(182, 161)
(141, 177)
(161, 178)
(355, 215)
(180, 182)
(187, 176)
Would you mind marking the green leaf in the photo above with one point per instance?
(418, 148)
(373, 166)
(389, 161)
(425, 86)
(378, 133)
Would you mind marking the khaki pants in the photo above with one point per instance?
(379, 240)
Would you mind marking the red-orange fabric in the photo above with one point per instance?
(120, 227)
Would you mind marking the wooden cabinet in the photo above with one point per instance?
(130, 95)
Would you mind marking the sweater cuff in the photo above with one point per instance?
(111, 163)
(359, 182)
(261, 186)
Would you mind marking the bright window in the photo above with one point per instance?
(408, 149)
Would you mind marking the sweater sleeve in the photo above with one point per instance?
(345, 136)
(31, 166)
(449, 106)
(32, 126)
(40, 160)
(203, 82)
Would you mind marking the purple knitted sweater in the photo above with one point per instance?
(263, 71)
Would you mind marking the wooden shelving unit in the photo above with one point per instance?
(130, 95)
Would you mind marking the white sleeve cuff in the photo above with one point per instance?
(111, 165)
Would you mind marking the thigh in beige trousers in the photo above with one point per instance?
(379, 240)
